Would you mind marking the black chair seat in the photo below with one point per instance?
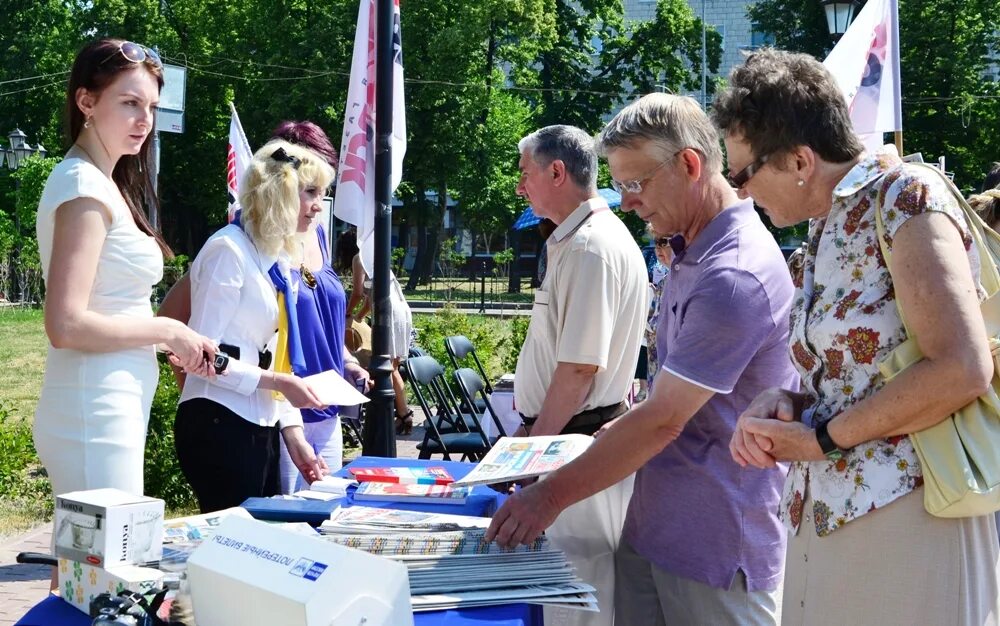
(461, 443)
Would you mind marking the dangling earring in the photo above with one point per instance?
(86, 124)
(801, 183)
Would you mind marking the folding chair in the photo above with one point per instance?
(459, 347)
(470, 384)
(352, 425)
(446, 430)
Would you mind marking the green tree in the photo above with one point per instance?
(462, 44)
(950, 103)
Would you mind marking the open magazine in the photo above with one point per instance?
(513, 458)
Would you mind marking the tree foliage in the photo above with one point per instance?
(480, 75)
(951, 101)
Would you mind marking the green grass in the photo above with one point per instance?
(463, 290)
(23, 346)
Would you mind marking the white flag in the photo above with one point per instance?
(865, 63)
(237, 162)
(355, 200)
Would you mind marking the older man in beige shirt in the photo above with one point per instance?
(578, 361)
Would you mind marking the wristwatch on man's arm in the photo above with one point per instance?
(826, 443)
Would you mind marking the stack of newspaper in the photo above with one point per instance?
(451, 565)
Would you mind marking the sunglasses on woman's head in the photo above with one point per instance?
(283, 157)
(136, 53)
(663, 242)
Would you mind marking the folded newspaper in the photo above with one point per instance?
(513, 458)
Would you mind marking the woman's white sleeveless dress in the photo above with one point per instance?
(90, 424)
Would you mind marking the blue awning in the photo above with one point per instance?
(612, 197)
(528, 219)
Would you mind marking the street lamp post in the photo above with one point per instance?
(19, 150)
(839, 14)
(13, 158)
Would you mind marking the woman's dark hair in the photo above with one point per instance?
(992, 180)
(307, 135)
(96, 66)
(779, 100)
(344, 250)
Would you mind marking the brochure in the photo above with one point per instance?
(402, 492)
(513, 458)
(332, 389)
(357, 520)
(404, 475)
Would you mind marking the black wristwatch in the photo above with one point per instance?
(830, 449)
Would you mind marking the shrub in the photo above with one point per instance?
(21, 476)
(497, 341)
(162, 475)
(512, 342)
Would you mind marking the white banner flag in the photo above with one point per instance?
(865, 63)
(237, 162)
(355, 200)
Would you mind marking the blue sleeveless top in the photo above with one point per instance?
(321, 315)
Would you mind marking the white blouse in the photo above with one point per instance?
(234, 302)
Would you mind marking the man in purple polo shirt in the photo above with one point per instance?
(702, 543)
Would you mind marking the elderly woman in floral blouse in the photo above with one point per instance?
(862, 549)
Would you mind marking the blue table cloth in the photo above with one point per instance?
(52, 611)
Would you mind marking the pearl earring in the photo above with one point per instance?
(801, 183)
(86, 124)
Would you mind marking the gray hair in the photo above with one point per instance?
(571, 145)
(670, 123)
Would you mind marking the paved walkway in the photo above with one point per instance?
(23, 586)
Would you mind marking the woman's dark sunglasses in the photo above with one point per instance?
(740, 178)
(136, 53)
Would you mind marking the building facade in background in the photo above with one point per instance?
(728, 17)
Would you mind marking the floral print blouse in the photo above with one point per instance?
(844, 322)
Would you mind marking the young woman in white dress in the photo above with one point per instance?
(100, 260)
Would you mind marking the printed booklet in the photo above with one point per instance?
(403, 475)
(513, 458)
(402, 492)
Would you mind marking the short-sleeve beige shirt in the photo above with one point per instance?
(590, 309)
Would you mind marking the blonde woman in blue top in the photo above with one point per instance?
(227, 429)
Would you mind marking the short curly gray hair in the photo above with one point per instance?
(779, 100)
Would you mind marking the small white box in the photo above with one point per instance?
(80, 583)
(254, 573)
(108, 527)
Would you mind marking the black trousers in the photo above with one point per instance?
(225, 458)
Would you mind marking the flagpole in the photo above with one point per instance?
(898, 139)
(379, 434)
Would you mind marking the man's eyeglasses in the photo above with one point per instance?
(635, 186)
(136, 53)
(742, 177)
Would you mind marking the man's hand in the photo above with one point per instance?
(751, 445)
(786, 441)
(524, 516)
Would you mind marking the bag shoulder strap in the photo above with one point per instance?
(986, 240)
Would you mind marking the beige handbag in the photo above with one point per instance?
(358, 340)
(960, 456)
